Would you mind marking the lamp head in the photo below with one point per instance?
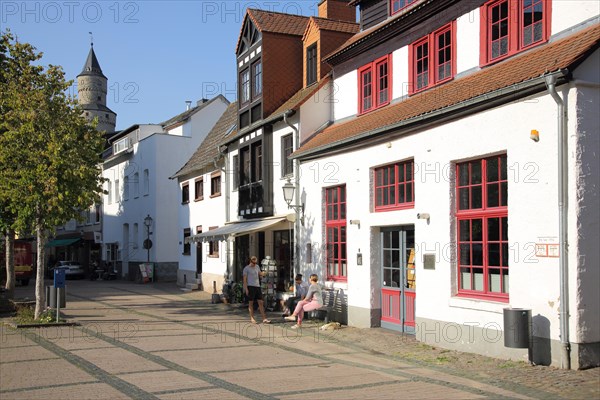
(148, 221)
(288, 192)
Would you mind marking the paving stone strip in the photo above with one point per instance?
(243, 391)
(30, 388)
(101, 375)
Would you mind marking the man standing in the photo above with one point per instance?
(251, 275)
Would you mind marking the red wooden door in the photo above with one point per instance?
(398, 296)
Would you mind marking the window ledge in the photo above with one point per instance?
(212, 196)
(479, 305)
(341, 285)
(199, 199)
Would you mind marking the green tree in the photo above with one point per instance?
(49, 154)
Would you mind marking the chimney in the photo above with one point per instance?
(338, 10)
(188, 105)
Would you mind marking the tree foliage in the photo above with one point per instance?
(49, 153)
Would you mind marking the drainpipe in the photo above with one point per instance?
(225, 171)
(297, 192)
(563, 220)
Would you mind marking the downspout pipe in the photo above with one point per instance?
(225, 171)
(562, 221)
(286, 114)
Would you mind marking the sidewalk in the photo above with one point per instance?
(566, 384)
(153, 341)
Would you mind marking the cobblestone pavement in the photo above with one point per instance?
(155, 342)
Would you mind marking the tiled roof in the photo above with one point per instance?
(301, 97)
(375, 29)
(526, 66)
(202, 160)
(274, 22)
(188, 113)
(338, 26)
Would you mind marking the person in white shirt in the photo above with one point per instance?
(252, 289)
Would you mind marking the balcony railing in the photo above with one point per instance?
(252, 200)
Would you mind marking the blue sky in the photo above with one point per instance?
(156, 53)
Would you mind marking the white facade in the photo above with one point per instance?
(443, 318)
(152, 157)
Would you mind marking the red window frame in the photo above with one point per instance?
(396, 183)
(399, 5)
(482, 222)
(335, 232)
(516, 22)
(375, 84)
(428, 54)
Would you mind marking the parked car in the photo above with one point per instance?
(72, 269)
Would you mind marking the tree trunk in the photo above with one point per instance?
(10, 264)
(39, 278)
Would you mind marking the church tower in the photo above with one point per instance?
(92, 90)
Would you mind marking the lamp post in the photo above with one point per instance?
(148, 242)
(288, 195)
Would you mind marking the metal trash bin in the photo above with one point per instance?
(51, 297)
(517, 328)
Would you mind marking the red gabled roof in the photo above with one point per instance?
(532, 64)
(334, 25)
(331, 25)
(274, 22)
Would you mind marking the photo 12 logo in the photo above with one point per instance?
(52, 12)
(234, 11)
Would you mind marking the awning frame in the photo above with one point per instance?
(62, 242)
(230, 230)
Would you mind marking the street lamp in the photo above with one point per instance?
(148, 242)
(288, 196)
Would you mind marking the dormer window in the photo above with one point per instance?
(256, 79)
(398, 5)
(311, 64)
(375, 84)
(245, 86)
(432, 59)
(508, 27)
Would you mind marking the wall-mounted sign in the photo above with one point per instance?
(547, 247)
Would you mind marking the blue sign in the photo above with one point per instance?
(59, 278)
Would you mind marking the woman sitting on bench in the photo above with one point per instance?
(312, 301)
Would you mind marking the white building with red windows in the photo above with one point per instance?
(459, 175)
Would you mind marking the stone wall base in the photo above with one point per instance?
(489, 341)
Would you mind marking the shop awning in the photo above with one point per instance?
(62, 242)
(237, 228)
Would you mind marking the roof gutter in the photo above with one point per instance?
(563, 220)
(418, 123)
